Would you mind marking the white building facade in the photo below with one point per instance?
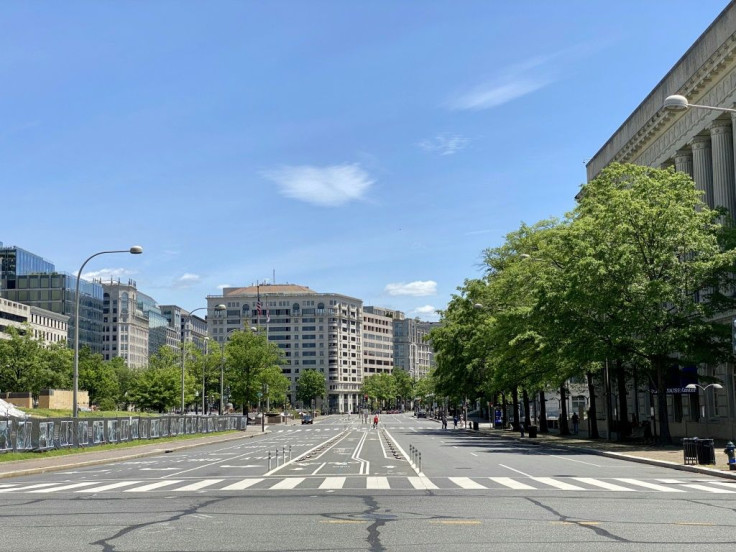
(318, 331)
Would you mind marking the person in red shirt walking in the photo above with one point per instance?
(375, 421)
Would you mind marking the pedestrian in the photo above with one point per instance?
(454, 421)
(521, 428)
(444, 422)
(375, 421)
(575, 423)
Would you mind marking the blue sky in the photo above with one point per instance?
(373, 149)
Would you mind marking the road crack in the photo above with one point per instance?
(586, 525)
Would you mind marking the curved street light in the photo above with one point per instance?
(680, 103)
(135, 250)
(703, 387)
(217, 308)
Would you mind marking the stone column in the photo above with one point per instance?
(724, 186)
(702, 167)
(684, 161)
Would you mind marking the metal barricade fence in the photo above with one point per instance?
(39, 434)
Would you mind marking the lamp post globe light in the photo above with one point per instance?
(217, 308)
(135, 250)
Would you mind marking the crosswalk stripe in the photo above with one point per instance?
(199, 485)
(511, 483)
(109, 487)
(5, 485)
(601, 484)
(557, 484)
(377, 483)
(65, 487)
(153, 486)
(288, 483)
(724, 484)
(36, 486)
(648, 485)
(466, 483)
(709, 489)
(670, 481)
(333, 483)
(244, 484)
(422, 482)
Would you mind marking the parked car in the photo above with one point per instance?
(422, 414)
(307, 420)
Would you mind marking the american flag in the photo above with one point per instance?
(268, 316)
(258, 303)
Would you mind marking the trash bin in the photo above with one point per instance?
(690, 451)
(706, 451)
(532, 431)
(475, 426)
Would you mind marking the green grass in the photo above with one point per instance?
(15, 456)
(49, 413)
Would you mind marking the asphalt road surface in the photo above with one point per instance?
(341, 485)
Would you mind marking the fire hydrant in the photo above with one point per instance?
(730, 451)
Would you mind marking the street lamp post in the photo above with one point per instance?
(704, 388)
(222, 375)
(680, 103)
(135, 250)
(217, 308)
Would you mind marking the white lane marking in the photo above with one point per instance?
(377, 483)
(709, 489)
(289, 483)
(573, 460)
(66, 487)
(670, 481)
(511, 483)
(246, 466)
(110, 487)
(473, 454)
(422, 482)
(333, 483)
(466, 483)
(557, 484)
(199, 485)
(647, 485)
(244, 484)
(153, 486)
(724, 483)
(36, 486)
(517, 471)
(601, 484)
(322, 465)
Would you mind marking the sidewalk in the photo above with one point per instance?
(93, 457)
(660, 455)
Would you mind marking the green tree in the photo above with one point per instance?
(158, 387)
(99, 379)
(247, 356)
(403, 384)
(309, 386)
(379, 387)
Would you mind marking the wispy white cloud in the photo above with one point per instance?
(187, 280)
(426, 311)
(444, 144)
(416, 289)
(108, 274)
(477, 232)
(329, 186)
(514, 82)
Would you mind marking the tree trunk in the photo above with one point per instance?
(515, 399)
(543, 428)
(624, 427)
(592, 413)
(664, 423)
(564, 426)
(525, 398)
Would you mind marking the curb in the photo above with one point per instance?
(627, 457)
(98, 461)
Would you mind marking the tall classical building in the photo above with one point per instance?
(134, 327)
(378, 340)
(320, 331)
(413, 353)
(700, 143)
(29, 279)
